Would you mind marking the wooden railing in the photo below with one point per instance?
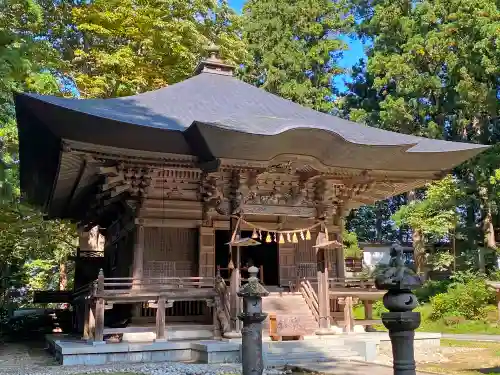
(310, 297)
(351, 282)
(225, 270)
(158, 293)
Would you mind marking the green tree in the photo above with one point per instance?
(433, 70)
(29, 63)
(435, 215)
(117, 48)
(295, 48)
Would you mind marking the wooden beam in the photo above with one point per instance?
(81, 171)
(169, 223)
(112, 171)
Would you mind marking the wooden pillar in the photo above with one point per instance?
(138, 262)
(368, 313)
(234, 301)
(206, 266)
(498, 303)
(160, 319)
(91, 321)
(86, 320)
(340, 251)
(323, 290)
(99, 309)
(138, 265)
(348, 314)
(99, 320)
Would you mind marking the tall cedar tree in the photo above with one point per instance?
(295, 47)
(433, 70)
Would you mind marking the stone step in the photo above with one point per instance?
(289, 306)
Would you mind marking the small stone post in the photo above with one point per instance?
(252, 318)
(401, 321)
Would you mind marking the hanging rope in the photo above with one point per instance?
(277, 231)
(276, 235)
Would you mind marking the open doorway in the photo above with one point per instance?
(265, 255)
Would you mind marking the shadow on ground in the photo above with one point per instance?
(489, 370)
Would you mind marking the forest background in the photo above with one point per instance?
(428, 68)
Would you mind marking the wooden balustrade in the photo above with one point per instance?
(221, 270)
(310, 297)
(351, 282)
(169, 296)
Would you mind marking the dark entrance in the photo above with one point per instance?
(265, 255)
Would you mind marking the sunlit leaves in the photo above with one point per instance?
(295, 48)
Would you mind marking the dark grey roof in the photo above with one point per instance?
(210, 116)
(231, 104)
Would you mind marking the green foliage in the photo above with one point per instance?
(430, 289)
(468, 300)
(374, 224)
(432, 70)
(351, 246)
(295, 46)
(440, 261)
(436, 214)
(123, 48)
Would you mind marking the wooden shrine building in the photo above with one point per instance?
(168, 176)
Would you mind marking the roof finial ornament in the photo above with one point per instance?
(213, 51)
(214, 64)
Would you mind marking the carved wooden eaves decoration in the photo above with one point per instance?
(120, 179)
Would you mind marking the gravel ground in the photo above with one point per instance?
(424, 354)
(32, 359)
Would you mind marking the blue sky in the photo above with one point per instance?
(351, 57)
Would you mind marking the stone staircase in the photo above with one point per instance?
(289, 305)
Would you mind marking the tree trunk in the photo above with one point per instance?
(63, 276)
(488, 230)
(419, 251)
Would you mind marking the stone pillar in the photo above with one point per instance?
(252, 318)
(401, 321)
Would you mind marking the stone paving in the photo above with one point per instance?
(347, 368)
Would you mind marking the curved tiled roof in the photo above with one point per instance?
(231, 104)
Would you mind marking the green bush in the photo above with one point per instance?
(466, 300)
(430, 289)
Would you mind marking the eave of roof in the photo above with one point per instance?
(215, 116)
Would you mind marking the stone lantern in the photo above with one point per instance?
(252, 318)
(401, 321)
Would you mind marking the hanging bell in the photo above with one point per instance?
(254, 234)
(231, 265)
(308, 235)
(294, 238)
(268, 238)
(282, 238)
(302, 237)
(288, 238)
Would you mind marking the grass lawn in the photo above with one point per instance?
(482, 359)
(490, 327)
